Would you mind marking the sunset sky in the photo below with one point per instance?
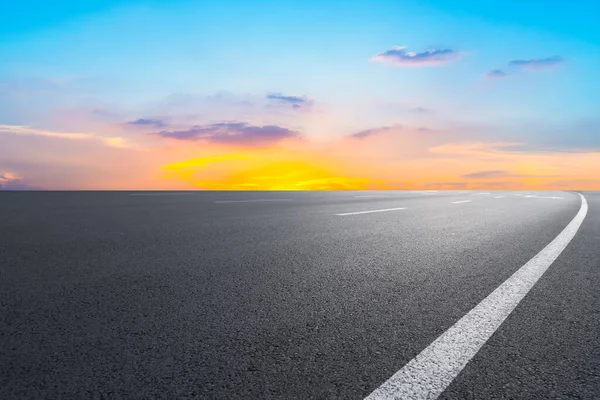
(240, 94)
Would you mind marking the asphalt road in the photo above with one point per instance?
(290, 295)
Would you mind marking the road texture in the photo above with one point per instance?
(290, 295)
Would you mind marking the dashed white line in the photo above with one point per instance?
(480, 194)
(461, 201)
(428, 374)
(499, 197)
(371, 211)
(543, 197)
(249, 201)
(367, 196)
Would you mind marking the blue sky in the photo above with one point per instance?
(130, 59)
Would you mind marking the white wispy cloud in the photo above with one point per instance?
(22, 130)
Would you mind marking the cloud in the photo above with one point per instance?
(297, 102)
(9, 181)
(149, 122)
(496, 74)
(376, 131)
(421, 110)
(473, 148)
(537, 63)
(498, 174)
(27, 131)
(399, 57)
(233, 133)
(486, 174)
(533, 64)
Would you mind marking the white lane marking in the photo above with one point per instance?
(533, 196)
(479, 194)
(161, 194)
(462, 201)
(371, 211)
(371, 195)
(428, 374)
(249, 201)
(499, 197)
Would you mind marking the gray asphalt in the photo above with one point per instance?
(190, 295)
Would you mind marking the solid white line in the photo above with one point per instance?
(371, 211)
(428, 374)
(462, 201)
(249, 201)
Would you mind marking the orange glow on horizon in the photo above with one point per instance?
(454, 166)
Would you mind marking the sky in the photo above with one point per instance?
(299, 95)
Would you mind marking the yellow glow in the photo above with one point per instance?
(394, 159)
(443, 167)
(261, 171)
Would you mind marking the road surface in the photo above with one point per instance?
(299, 295)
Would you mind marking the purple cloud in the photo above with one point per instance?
(496, 74)
(154, 123)
(233, 133)
(399, 57)
(486, 175)
(501, 174)
(10, 182)
(296, 101)
(538, 63)
(375, 131)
